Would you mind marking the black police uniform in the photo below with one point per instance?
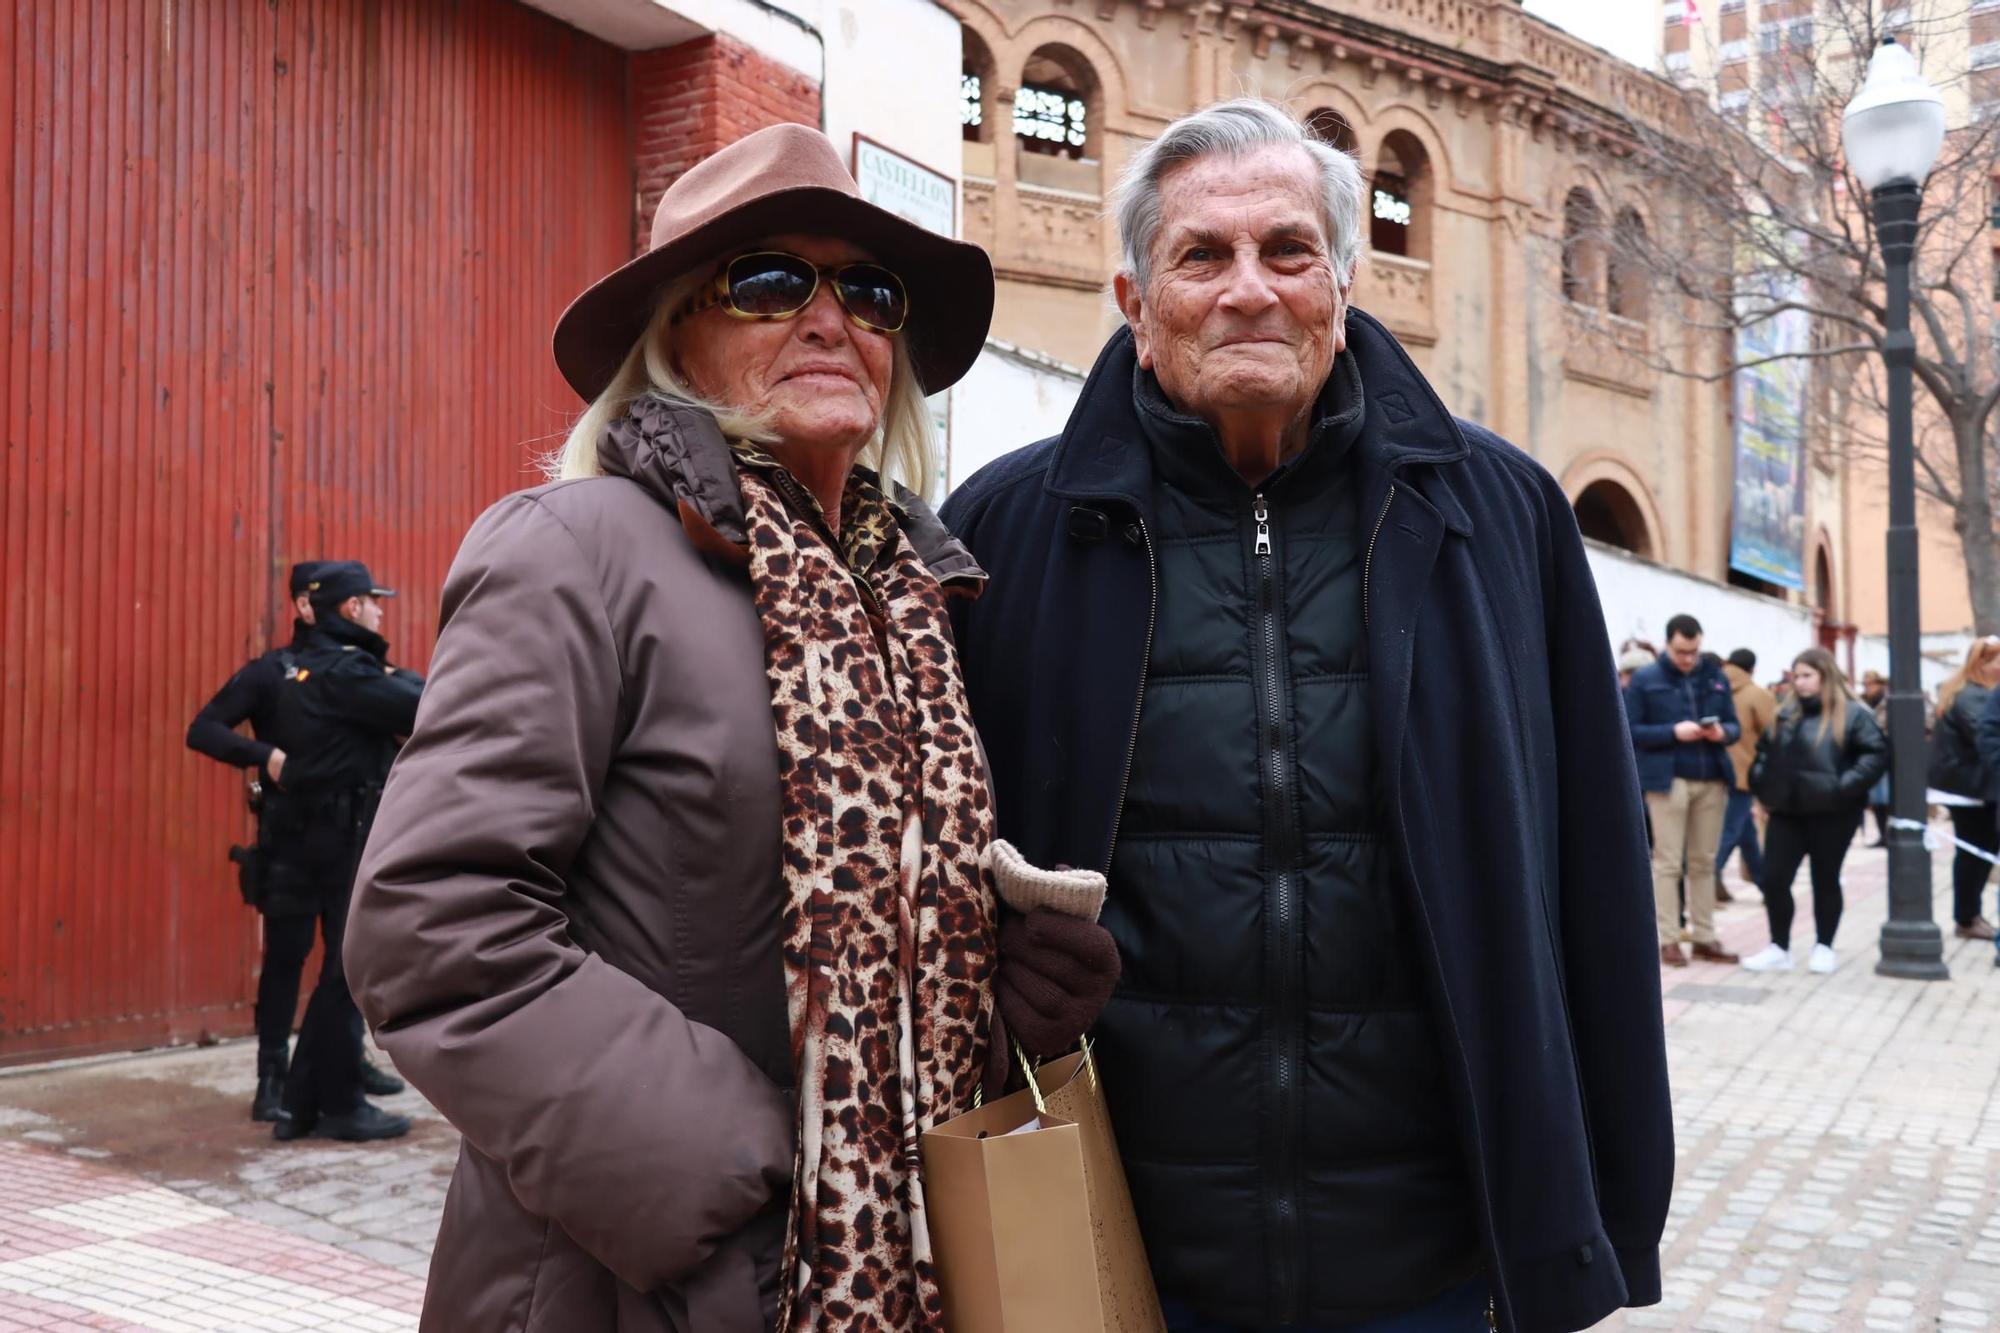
(255, 695)
(352, 710)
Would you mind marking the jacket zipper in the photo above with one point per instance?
(1139, 700)
(1282, 959)
(1368, 560)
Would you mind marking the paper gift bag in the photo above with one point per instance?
(1071, 1090)
(1031, 1222)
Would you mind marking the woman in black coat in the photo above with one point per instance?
(1812, 772)
(1965, 784)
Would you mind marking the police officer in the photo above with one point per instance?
(255, 695)
(352, 710)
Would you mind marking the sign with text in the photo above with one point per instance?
(907, 188)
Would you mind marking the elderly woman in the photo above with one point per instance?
(675, 906)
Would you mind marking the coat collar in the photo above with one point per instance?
(338, 632)
(1101, 453)
(677, 453)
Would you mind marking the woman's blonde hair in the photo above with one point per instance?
(1982, 659)
(904, 448)
(1833, 693)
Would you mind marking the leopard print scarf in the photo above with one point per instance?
(889, 922)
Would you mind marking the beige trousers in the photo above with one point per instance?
(1687, 828)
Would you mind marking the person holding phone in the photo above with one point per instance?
(1683, 720)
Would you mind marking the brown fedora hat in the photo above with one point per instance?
(787, 178)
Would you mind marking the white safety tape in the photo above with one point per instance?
(1932, 841)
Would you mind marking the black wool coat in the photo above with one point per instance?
(1510, 798)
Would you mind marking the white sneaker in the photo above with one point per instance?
(1823, 959)
(1770, 958)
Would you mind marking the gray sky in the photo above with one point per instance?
(1629, 28)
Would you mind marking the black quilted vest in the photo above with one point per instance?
(1270, 1056)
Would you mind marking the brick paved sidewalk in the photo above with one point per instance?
(1837, 1135)
(136, 1193)
(1839, 1146)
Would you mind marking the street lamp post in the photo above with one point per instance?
(1892, 132)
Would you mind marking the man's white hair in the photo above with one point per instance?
(1233, 129)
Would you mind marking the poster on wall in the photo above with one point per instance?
(1767, 537)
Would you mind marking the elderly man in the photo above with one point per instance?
(1318, 676)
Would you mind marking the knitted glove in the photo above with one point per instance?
(1055, 974)
(1024, 886)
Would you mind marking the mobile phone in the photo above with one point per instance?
(1710, 721)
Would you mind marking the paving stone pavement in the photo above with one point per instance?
(177, 1121)
(1838, 1136)
(1839, 1162)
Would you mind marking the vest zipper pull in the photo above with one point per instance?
(1262, 514)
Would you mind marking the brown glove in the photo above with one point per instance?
(1055, 974)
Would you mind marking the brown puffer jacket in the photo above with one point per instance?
(566, 926)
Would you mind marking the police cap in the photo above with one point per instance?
(303, 574)
(337, 580)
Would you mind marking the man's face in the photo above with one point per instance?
(1243, 310)
(302, 607)
(1685, 653)
(364, 611)
(1873, 691)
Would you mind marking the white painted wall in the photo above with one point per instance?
(1639, 597)
(1008, 399)
(890, 67)
(1942, 655)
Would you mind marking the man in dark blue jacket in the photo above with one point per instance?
(1683, 720)
(353, 708)
(1317, 675)
(255, 695)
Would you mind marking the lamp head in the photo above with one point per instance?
(1894, 127)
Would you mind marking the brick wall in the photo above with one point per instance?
(692, 99)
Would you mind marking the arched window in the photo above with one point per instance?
(1606, 512)
(1400, 198)
(1054, 111)
(1583, 250)
(1625, 284)
(1329, 126)
(975, 81)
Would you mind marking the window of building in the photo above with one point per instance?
(1049, 120)
(1793, 36)
(1052, 111)
(1399, 198)
(1329, 126)
(1582, 249)
(1606, 512)
(972, 116)
(975, 88)
(1984, 86)
(1625, 269)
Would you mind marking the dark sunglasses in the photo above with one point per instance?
(774, 285)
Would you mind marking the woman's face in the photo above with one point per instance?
(821, 377)
(1807, 681)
